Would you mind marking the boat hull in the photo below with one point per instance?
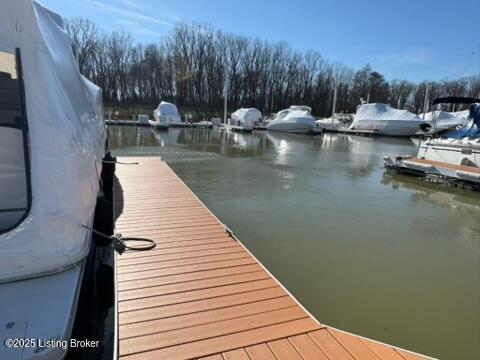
(456, 152)
(158, 125)
(241, 128)
(295, 128)
(388, 127)
(50, 316)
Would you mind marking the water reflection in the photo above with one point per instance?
(464, 205)
(385, 256)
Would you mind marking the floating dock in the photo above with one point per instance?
(200, 294)
(175, 125)
(125, 123)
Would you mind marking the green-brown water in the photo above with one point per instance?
(384, 256)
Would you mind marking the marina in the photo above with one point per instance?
(341, 245)
(200, 293)
(173, 190)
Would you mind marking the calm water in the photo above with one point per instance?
(387, 257)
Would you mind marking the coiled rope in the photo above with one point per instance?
(119, 242)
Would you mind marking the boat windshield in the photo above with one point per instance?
(14, 182)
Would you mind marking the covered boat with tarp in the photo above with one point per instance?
(52, 141)
(382, 119)
(440, 120)
(454, 157)
(166, 114)
(296, 119)
(245, 119)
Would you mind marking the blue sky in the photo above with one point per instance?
(406, 39)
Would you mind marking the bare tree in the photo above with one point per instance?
(191, 64)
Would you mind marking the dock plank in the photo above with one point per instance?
(284, 350)
(200, 294)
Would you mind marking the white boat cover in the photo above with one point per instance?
(167, 113)
(246, 117)
(295, 112)
(66, 135)
(378, 111)
(445, 119)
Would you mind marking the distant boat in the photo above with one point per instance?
(165, 115)
(296, 119)
(245, 119)
(338, 122)
(52, 144)
(443, 120)
(383, 119)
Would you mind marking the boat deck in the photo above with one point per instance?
(444, 165)
(200, 293)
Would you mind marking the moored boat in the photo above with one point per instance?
(296, 119)
(166, 113)
(245, 119)
(52, 142)
(453, 158)
(382, 119)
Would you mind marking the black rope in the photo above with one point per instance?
(119, 242)
(148, 244)
(119, 162)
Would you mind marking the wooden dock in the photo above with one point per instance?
(202, 294)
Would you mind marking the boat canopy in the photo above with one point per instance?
(455, 100)
(167, 113)
(246, 117)
(52, 139)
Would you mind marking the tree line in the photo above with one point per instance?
(191, 65)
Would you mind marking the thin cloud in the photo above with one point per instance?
(136, 28)
(416, 57)
(129, 10)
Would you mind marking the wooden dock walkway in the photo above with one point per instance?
(200, 293)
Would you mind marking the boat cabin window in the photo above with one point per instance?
(14, 182)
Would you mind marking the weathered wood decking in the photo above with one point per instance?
(200, 293)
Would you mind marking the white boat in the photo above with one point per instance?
(245, 119)
(52, 141)
(165, 114)
(336, 123)
(454, 157)
(296, 119)
(443, 120)
(382, 119)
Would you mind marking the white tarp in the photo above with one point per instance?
(246, 117)
(66, 134)
(296, 119)
(385, 120)
(295, 113)
(167, 113)
(377, 111)
(445, 120)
